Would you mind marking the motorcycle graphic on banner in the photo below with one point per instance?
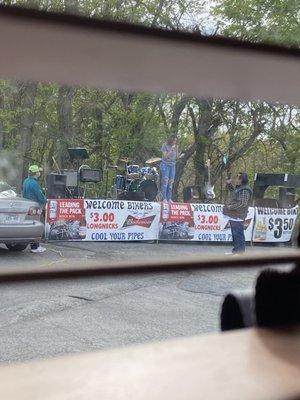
(65, 220)
(176, 222)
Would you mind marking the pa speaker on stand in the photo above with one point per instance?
(56, 186)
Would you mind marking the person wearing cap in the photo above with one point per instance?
(32, 191)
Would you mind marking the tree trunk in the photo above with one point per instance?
(65, 123)
(178, 108)
(199, 160)
(208, 123)
(242, 150)
(202, 138)
(99, 134)
(27, 92)
(64, 106)
(180, 166)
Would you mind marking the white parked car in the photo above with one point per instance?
(19, 220)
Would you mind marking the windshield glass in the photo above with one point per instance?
(4, 186)
(6, 190)
(134, 177)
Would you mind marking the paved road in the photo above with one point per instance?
(53, 318)
(67, 253)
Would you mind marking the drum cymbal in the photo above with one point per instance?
(125, 159)
(153, 160)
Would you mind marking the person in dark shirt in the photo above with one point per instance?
(236, 209)
(32, 191)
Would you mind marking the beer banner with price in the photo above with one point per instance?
(199, 222)
(274, 224)
(118, 220)
(211, 225)
(101, 220)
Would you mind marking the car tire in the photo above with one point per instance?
(16, 247)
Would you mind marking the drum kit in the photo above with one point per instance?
(133, 182)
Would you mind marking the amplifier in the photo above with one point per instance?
(72, 177)
(56, 186)
(91, 175)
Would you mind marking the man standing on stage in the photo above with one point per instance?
(236, 208)
(33, 191)
(167, 167)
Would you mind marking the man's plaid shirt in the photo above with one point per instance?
(239, 199)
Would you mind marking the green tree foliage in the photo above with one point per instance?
(274, 21)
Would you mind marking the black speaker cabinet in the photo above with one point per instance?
(90, 175)
(187, 194)
(192, 194)
(78, 153)
(56, 186)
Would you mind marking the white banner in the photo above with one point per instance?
(117, 220)
(274, 224)
(211, 225)
(101, 220)
(199, 222)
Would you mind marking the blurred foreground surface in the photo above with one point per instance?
(52, 318)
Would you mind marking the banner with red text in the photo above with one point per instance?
(101, 220)
(65, 219)
(117, 220)
(199, 222)
(176, 221)
(211, 225)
